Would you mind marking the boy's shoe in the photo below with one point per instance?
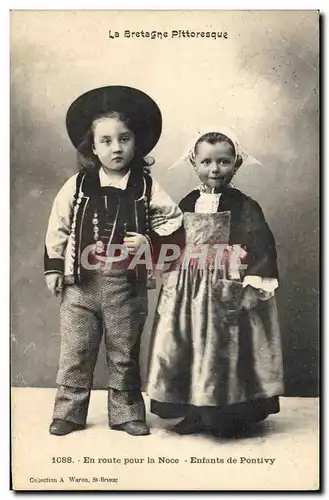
(60, 427)
(134, 428)
(190, 425)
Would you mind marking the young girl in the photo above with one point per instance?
(216, 354)
(111, 202)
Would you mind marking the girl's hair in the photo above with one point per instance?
(213, 138)
(87, 160)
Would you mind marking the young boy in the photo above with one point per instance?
(111, 201)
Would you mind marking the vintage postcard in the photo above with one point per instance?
(164, 250)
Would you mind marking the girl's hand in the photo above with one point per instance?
(54, 282)
(133, 241)
(250, 298)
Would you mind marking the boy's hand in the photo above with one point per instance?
(250, 298)
(54, 282)
(133, 241)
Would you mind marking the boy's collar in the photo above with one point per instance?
(105, 180)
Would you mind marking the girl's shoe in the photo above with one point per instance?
(190, 425)
(232, 431)
(237, 426)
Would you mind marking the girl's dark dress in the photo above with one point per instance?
(207, 352)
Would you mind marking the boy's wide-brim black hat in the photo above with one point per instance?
(137, 106)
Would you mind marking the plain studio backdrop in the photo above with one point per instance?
(262, 81)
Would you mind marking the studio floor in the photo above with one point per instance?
(282, 453)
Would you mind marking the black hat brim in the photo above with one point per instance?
(136, 106)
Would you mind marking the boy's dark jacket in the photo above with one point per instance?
(130, 207)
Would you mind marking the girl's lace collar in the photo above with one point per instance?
(203, 191)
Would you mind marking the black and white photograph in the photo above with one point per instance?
(164, 219)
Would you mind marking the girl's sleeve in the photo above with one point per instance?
(58, 230)
(261, 258)
(266, 286)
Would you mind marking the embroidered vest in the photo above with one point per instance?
(102, 215)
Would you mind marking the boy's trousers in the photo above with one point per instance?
(118, 306)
